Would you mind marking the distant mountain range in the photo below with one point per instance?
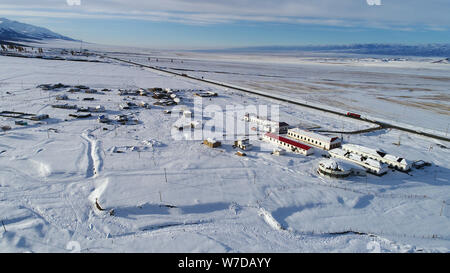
(17, 32)
(426, 50)
(13, 31)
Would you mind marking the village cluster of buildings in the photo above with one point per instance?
(165, 97)
(296, 139)
(375, 161)
(342, 159)
(371, 165)
(345, 159)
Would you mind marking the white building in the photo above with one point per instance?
(378, 155)
(144, 104)
(268, 125)
(369, 164)
(62, 97)
(206, 94)
(315, 139)
(243, 144)
(339, 168)
(97, 109)
(288, 144)
(278, 151)
(187, 114)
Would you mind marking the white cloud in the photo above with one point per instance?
(391, 14)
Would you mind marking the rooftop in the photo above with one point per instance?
(314, 135)
(374, 152)
(289, 141)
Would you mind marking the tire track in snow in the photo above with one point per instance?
(95, 162)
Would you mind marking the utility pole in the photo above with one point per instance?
(165, 174)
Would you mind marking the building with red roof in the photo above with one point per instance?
(288, 144)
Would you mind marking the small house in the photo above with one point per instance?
(243, 144)
(278, 152)
(103, 119)
(144, 104)
(40, 117)
(127, 105)
(62, 97)
(212, 143)
(80, 115)
(187, 114)
(64, 106)
(21, 123)
(96, 109)
(74, 90)
(205, 94)
(142, 92)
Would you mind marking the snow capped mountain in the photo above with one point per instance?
(20, 32)
(443, 61)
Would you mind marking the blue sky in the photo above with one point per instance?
(232, 23)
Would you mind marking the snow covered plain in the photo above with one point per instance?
(410, 91)
(213, 200)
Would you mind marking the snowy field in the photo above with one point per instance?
(410, 91)
(180, 196)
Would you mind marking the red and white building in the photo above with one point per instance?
(315, 139)
(288, 144)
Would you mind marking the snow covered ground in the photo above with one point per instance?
(181, 196)
(410, 91)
